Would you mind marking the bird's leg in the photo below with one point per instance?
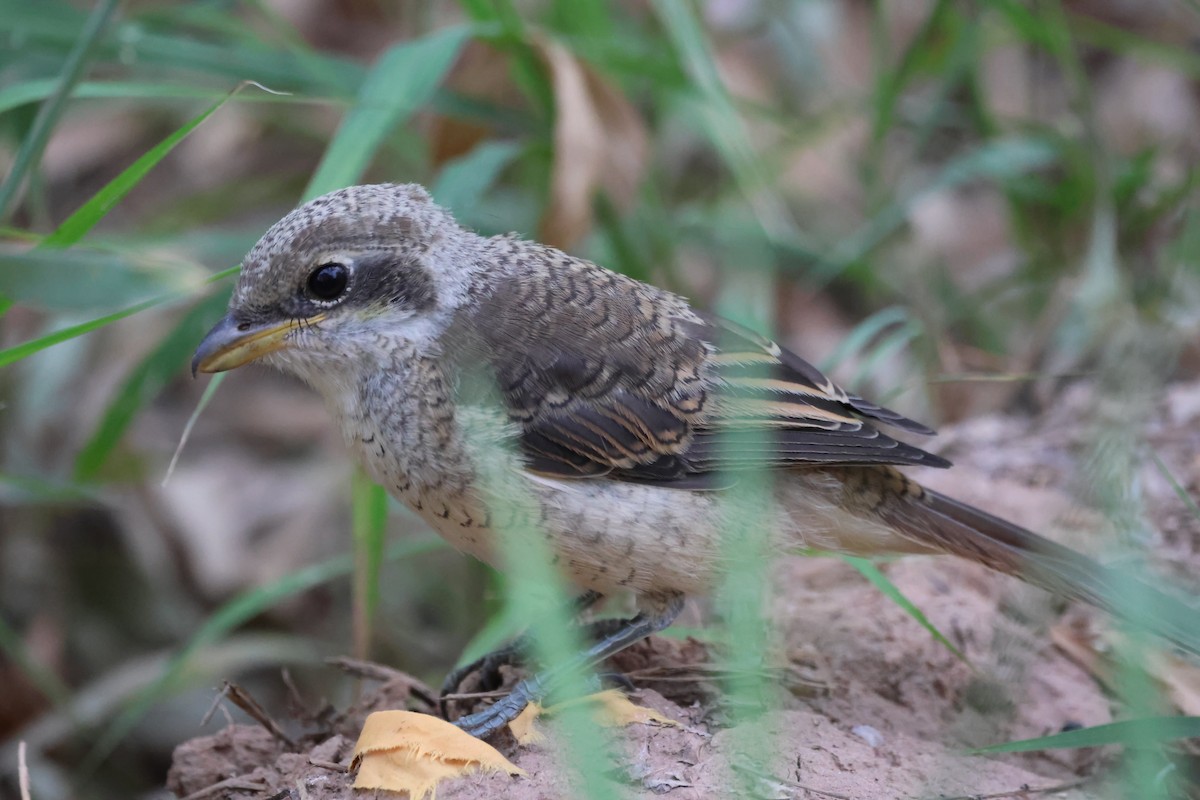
(505, 710)
(511, 654)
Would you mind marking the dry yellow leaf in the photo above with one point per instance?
(611, 708)
(403, 751)
(522, 727)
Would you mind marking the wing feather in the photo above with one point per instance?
(607, 376)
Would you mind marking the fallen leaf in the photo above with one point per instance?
(403, 751)
(522, 727)
(610, 708)
(600, 142)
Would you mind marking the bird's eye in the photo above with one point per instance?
(328, 281)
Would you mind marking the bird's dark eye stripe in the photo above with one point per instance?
(328, 281)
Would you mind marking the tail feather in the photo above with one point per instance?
(962, 530)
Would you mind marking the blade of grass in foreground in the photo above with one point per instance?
(32, 91)
(402, 81)
(235, 612)
(35, 141)
(369, 517)
(146, 379)
(26, 349)
(76, 226)
(1129, 732)
(881, 582)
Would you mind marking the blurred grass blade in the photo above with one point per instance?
(210, 391)
(1130, 732)
(90, 280)
(19, 94)
(722, 121)
(888, 345)
(26, 349)
(463, 182)
(225, 619)
(995, 160)
(52, 26)
(403, 80)
(881, 582)
(35, 141)
(862, 334)
(1180, 492)
(369, 514)
(143, 383)
(76, 226)
(44, 678)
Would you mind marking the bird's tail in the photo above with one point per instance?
(959, 529)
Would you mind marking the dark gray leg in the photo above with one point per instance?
(505, 710)
(511, 654)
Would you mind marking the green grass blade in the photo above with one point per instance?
(76, 226)
(998, 159)
(20, 94)
(369, 524)
(35, 141)
(26, 349)
(863, 333)
(1180, 492)
(44, 30)
(52, 279)
(463, 182)
(1129, 732)
(143, 383)
(721, 120)
(402, 81)
(881, 582)
(225, 619)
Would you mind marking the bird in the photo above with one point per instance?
(492, 382)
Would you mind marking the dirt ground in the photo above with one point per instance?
(868, 704)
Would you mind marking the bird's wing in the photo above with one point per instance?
(608, 376)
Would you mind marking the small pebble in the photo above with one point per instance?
(868, 735)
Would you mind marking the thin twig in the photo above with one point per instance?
(475, 695)
(23, 771)
(243, 700)
(367, 669)
(792, 784)
(1023, 790)
(329, 765)
(240, 783)
(212, 708)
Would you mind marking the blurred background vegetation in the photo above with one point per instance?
(956, 206)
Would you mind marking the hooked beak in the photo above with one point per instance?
(231, 344)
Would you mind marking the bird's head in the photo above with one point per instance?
(347, 275)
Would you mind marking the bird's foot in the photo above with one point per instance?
(513, 654)
(483, 723)
(487, 667)
(616, 636)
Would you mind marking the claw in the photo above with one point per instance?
(483, 723)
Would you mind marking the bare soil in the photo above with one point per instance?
(868, 704)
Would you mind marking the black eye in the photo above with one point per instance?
(328, 281)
